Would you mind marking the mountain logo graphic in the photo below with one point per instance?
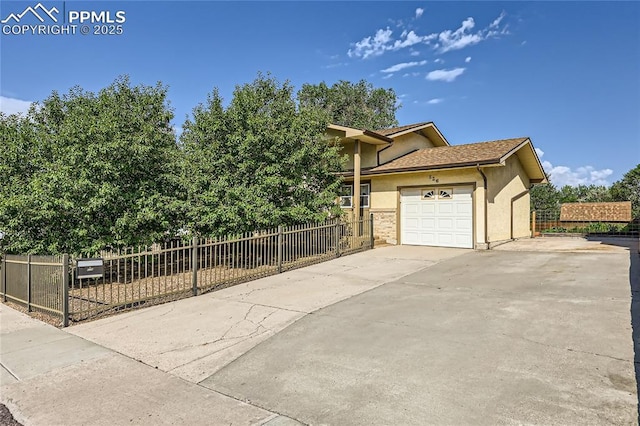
(34, 11)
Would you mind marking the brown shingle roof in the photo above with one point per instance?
(394, 130)
(596, 212)
(452, 156)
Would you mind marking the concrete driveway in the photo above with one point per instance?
(495, 337)
(534, 332)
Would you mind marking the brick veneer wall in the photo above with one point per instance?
(385, 225)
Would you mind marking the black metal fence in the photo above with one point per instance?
(142, 276)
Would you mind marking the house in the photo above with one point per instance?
(596, 212)
(423, 191)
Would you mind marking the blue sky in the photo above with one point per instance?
(566, 74)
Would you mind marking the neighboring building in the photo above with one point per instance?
(423, 191)
(596, 212)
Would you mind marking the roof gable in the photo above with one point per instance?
(427, 129)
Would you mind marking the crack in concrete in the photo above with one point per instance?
(566, 349)
(256, 331)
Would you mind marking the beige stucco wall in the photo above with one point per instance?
(368, 155)
(403, 145)
(385, 197)
(508, 201)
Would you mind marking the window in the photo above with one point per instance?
(346, 196)
(445, 193)
(428, 194)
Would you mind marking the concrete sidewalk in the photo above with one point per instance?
(143, 367)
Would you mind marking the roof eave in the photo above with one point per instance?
(471, 164)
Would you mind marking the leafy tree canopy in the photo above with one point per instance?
(260, 162)
(628, 189)
(88, 170)
(358, 105)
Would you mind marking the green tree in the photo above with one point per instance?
(261, 162)
(544, 197)
(628, 189)
(89, 170)
(584, 194)
(357, 105)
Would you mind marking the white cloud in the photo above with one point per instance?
(445, 75)
(584, 175)
(383, 41)
(434, 101)
(410, 39)
(401, 66)
(460, 38)
(387, 76)
(468, 59)
(497, 21)
(444, 41)
(414, 53)
(13, 106)
(372, 46)
(411, 74)
(439, 61)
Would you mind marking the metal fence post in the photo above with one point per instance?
(337, 232)
(28, 283)
(371, 228)
(4, 277)
(65, 290)
(194, 265)
(279, 248)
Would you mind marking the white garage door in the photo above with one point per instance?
(441, 216)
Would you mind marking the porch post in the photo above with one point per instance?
(356, 180)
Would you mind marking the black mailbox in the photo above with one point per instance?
(90, 268)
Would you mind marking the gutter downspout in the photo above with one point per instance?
(484, 178)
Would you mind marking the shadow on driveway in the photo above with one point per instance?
(634, 284)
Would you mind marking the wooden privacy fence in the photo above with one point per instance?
(142, 276)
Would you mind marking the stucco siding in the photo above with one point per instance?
(403, 145)
(368, 155)
(508, 201)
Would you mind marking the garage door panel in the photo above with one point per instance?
(427, 207)
(412, 223)
(438, 221)
(412, 208)
(428, 223)
(463, 224)
(444, 207)
(428, 239)
(445, 223)
(463, 209)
